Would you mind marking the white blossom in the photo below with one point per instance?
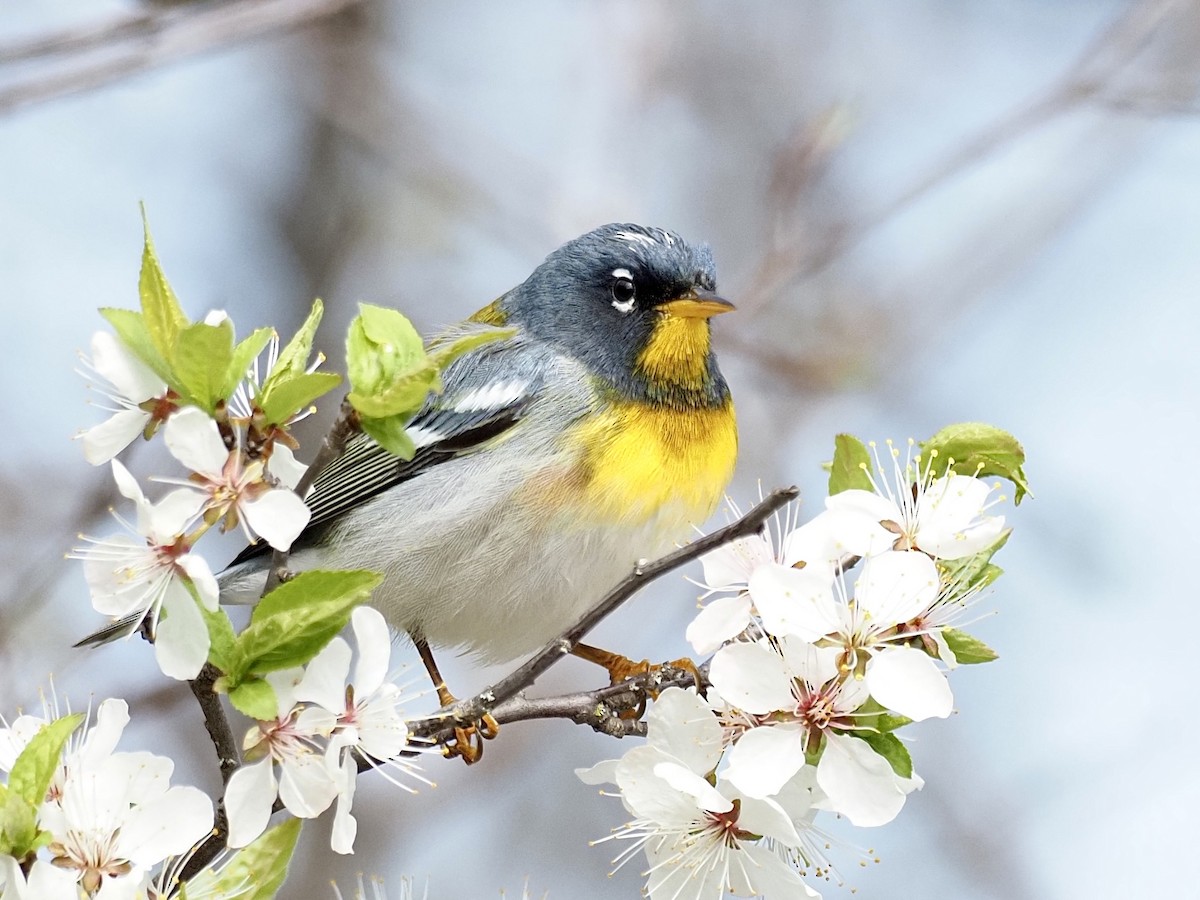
(945, 517)
(871, 630)
(151, 574)
(355, 713)
(140, 396)
(291, 765)
(232, 489)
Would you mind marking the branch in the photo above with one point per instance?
(95, 56)
(494, 698)
(333, 446)
(227, 756)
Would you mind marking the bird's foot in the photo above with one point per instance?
(622, 668)
(468, 741)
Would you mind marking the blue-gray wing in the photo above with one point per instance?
(485, 393)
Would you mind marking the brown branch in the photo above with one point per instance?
(345, 426)
(137, 43)
(228, 758)
(440, 725)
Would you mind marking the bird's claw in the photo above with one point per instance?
(468, 741)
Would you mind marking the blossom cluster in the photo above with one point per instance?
(329, 718)
(107, 819)
(149, 577)
(828, 640)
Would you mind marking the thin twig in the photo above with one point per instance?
(228, 758)
(143, 41)
(468, 711)
(345, 426)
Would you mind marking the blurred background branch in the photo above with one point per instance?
(85, 57)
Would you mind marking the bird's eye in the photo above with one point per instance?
(623, 291)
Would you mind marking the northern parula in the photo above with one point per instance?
(598, 434)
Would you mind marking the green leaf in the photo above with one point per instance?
(163, 315)
(874, 714)
(294, 622)
(851, 462)
(130, 327)
(35, 767)
(890, 748)
(403, 397)
(391, 434)
(255, 698)
(202, 357)
(390, 373)
(979, 450)
(28, 782)
(444, 352)
(221, 637)
(293, 359)
(243, 355)
(975, 572)
(286, 398)
(257, 871)
(18, 826)
(968, 650)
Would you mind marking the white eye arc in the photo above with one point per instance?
(623, 292)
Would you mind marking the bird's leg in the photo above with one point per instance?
(468, 742)
(621, 668)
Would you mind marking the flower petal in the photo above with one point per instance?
(248, 800)
(752, 677)
(345, 826)
(683, 726)
(908, 681)
(285, 467)
(193, 439)
(691, 785)
(306, 786)
(719, 621)
(859, 783)
(167, 826)
(181, 642)
(324, 681)
(132, 378)
(794, 601)
(104, 441)
(896, 586)
(729, 566)
(197, 570)
(278, 516)
(374, 640)
(765, 758)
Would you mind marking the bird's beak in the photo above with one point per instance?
(698, 305)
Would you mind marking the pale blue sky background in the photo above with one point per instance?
(430, 156)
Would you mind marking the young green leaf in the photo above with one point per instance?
(890, 748)
(973, 573)
(294, 622)
(221, 636)
(130, 327)
(243, 355)
(293, 359)
(28, 782)
(286, 398)
(873, 714)
(202, 357)
(255, 872)
(978, 449)
(255, 698)
(968, 650)
(851, 462)
(163, 315)
(390, 374)
(391, 434)
(35, 767)
(445, 351)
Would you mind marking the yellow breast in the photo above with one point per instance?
(644, 460)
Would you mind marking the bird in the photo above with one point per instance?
(596, 431)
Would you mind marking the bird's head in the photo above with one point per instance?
(633, 305)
